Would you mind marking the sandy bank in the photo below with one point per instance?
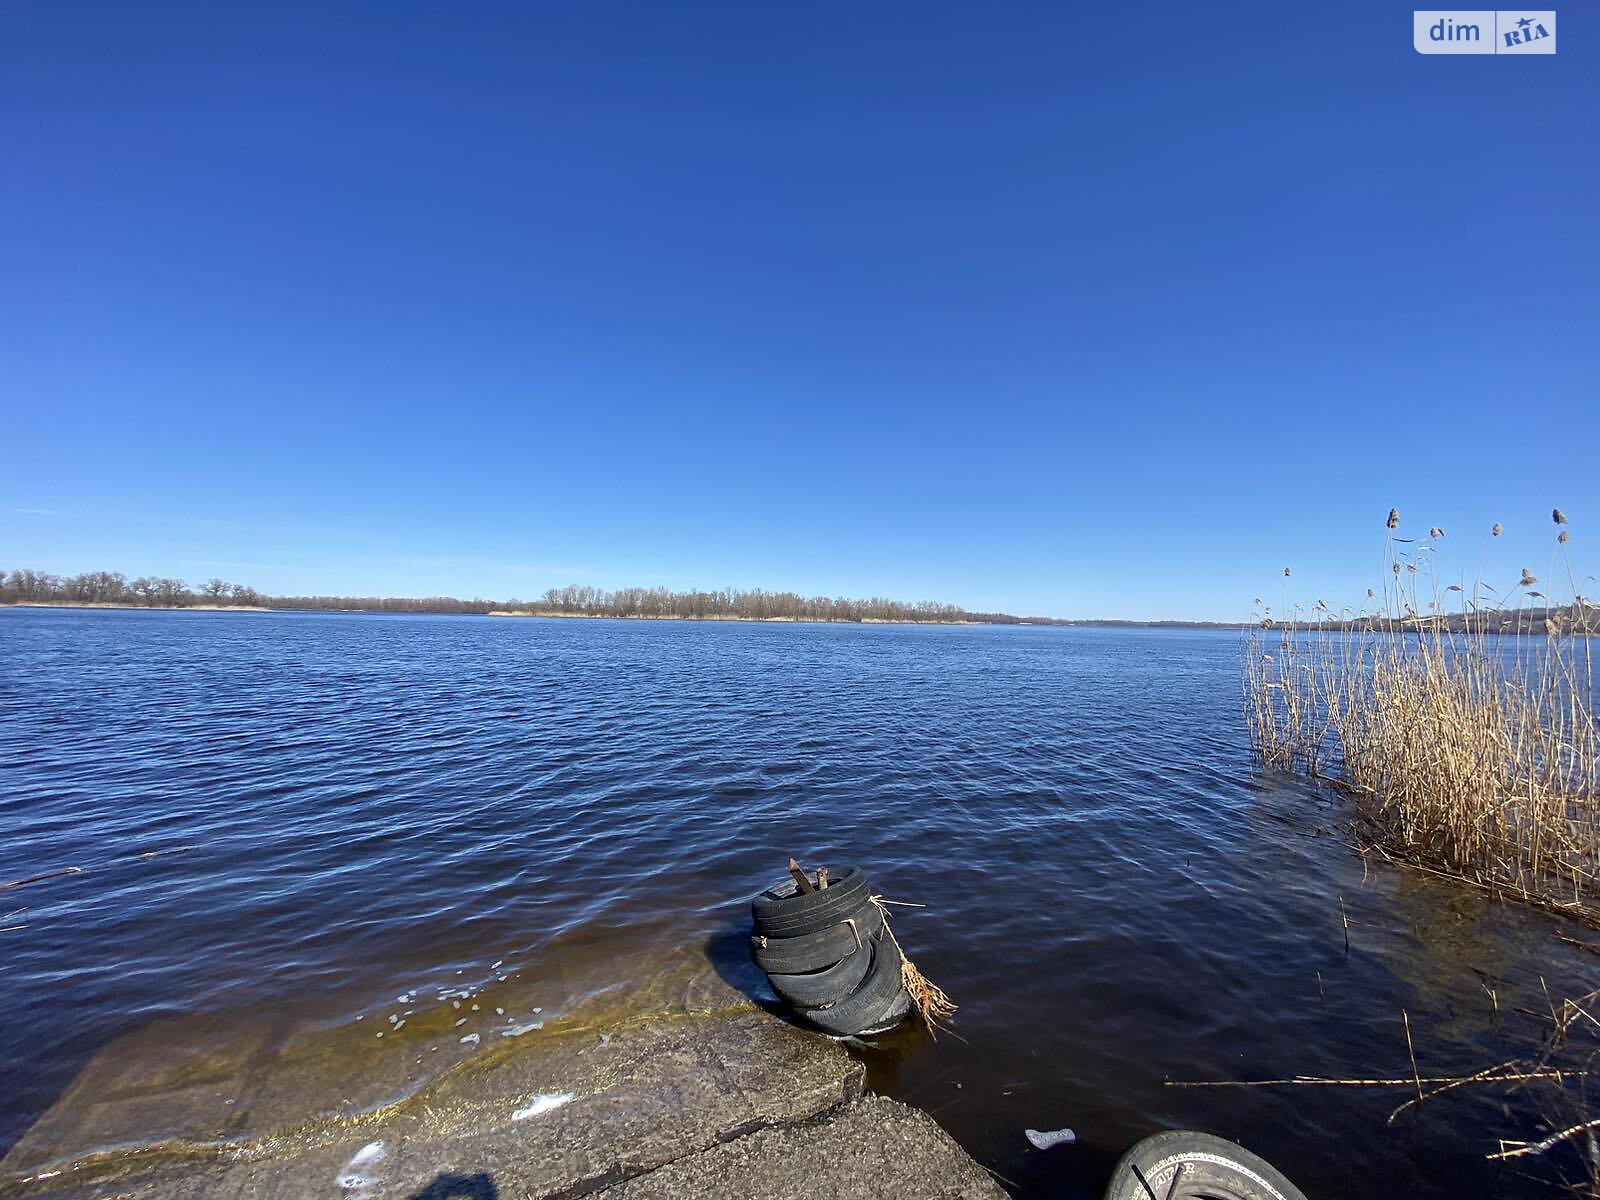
(137, 607)
(748, 620)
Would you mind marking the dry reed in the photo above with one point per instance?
(1461, 723)
(927, 998)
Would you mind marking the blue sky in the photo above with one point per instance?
(1058, 310)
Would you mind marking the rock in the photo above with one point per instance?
(872, 1147)
(621, 1099)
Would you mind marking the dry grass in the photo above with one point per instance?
(1559, 1076)
(1470, 752)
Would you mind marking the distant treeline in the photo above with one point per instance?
(753, 605)
(1580, 617)
(114, 588)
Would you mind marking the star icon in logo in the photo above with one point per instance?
(1525, 22)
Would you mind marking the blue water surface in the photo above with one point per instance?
(306, 811)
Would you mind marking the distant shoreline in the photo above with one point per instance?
(1097, 623)
(26, 588)
(136, 607)
(577, 616)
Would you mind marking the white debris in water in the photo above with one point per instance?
(461, 1022)
(605, 1039)
(1044, 1139)
(495, 965)
(355, 1181)
(538, 1010)
(541, 1103)
(470, 1040)
(455, 1004)
(499, 1012)
(474, 1008)
(380, 1033)
(393, 1017)
(398, 1026)
(519, 1030)
(46, 1175)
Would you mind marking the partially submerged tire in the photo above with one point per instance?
(827, 986)
(870, 1002)
(1183, 1165)
(816, 951)
(785, 911)
(899, 1009)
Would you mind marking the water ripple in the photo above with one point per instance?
(376, 801)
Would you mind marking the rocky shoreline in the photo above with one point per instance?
(713, 1097)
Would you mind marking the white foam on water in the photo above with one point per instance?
(519, 1030)
(541, 1103)
(355, 1181)
(470, 1040)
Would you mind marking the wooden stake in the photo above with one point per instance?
(800, 879)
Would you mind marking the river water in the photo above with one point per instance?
(316, 822)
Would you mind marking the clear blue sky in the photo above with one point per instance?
(1054, 309)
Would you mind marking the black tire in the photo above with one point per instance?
(899, 1009)
(870, 1001)
(1212, 1168)
(827, 986)
(784, 911)
(816, 951)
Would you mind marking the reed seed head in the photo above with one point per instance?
(1562, 537)
(1436, 532)
(1528, 578)
(1394, 518)
(1497, 529)
(1286, 571)
(1559, 517)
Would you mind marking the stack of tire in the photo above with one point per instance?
(827, 955)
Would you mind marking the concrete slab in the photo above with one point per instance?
(676, 1079)
(872, 1147)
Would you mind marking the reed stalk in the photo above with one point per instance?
(1460, 722)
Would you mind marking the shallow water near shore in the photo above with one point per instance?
(440, 827)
